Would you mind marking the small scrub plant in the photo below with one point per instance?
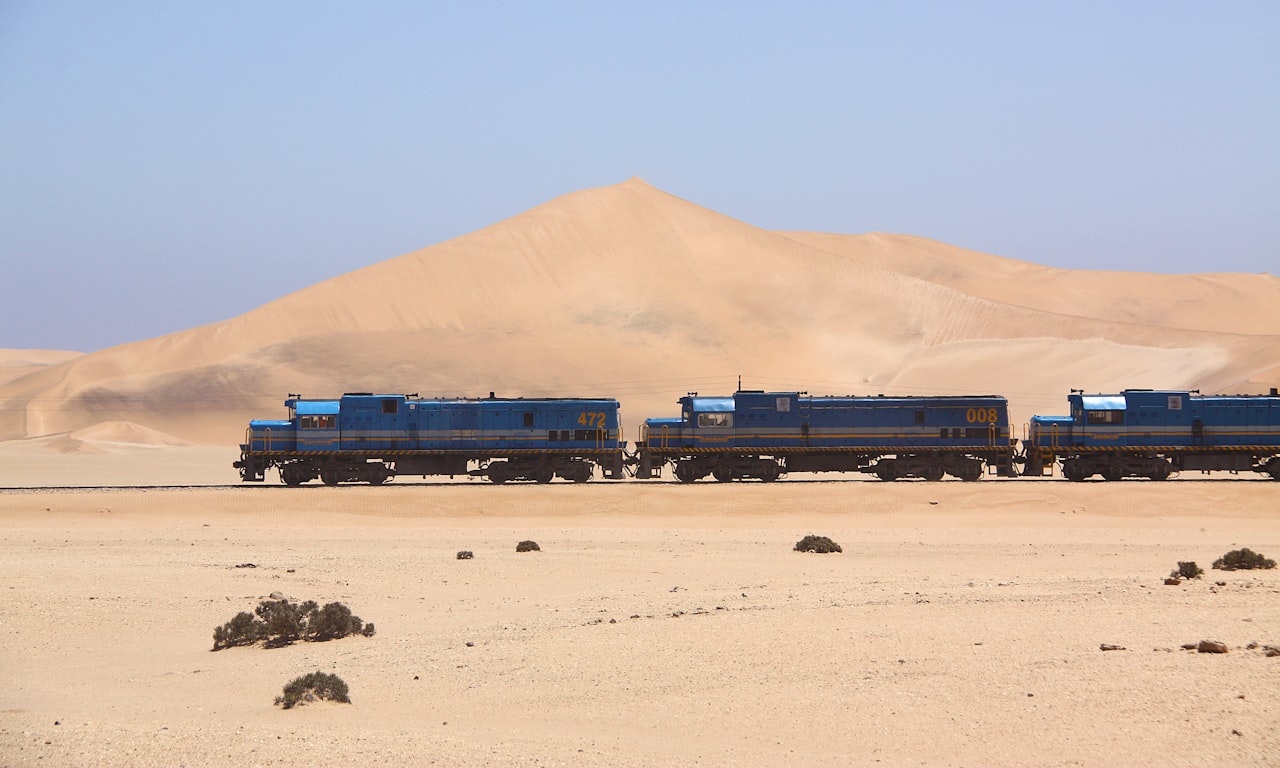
(244, 629)
(819, 544)
(335, 620)
(1243, 560)
(280, 622)
(316, 686)
(1186, 571)
(528, 546)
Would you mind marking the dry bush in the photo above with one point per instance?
(1243, 560)
(819, 544)
(281, 622)
(312, 687)
(528, 546)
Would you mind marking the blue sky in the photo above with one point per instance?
(165, 165)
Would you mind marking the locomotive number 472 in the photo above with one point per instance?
(592, 419)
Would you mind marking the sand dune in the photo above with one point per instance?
(627, 291)
(16, 363)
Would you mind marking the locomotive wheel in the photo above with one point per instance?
(379, 475)
(1160, 471)
(685, 473)
(1073, 470)
(498, 472)
(971, 471)
(1112, 474)
(582, 473)
(291, 475)
(330, 477)
(543, 474)
(722, 474)
(886, 471)
(933, 473)
(769, 473)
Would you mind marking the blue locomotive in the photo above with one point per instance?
(365, 437)
(1154, 433)
(763, 435)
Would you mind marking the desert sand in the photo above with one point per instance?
(661, 624)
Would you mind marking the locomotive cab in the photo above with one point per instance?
(317, 424)
(710, 420)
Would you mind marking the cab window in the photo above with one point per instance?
(715, 420)
(1105, 417)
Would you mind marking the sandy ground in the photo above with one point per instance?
(660, 625)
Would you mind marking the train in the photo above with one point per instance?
(758, 435)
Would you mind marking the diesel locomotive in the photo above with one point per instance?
(763, 435)
(1155, 433)
(365, 437)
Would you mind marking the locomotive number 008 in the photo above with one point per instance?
(982, 415)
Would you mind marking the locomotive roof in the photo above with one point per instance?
(1101, 402)
(316, 407)
(417, 399)
(712, 404)
(1104, 402)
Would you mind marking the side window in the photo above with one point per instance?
(715, 420)
(528, 419)
(1105, 417)
(390, 406)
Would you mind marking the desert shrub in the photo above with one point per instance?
(280, 622)
(820, 544)
(1187, 571)
(1243, 560)
(528, 546)
(312, 687)
(333, 621)
(244, 629)
(465, 554)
